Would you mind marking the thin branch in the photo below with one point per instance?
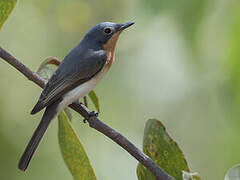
(93, 121)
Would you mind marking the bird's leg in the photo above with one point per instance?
(79, 102)
(90, 114)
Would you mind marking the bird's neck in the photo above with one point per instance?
(109, 48)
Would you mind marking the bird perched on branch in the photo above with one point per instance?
(80, 71)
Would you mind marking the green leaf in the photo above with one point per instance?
(159, 146)
(68, 113)
(233, 173)
(94, 99)
(72, 150)
(46, 68)
(190, 176)
(6, 7)
(45, 72)
(50, 60)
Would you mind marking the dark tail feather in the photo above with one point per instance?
(38, 107)
(48, 115)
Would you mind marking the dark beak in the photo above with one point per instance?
(125, 25)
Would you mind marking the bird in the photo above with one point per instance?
(80, 71)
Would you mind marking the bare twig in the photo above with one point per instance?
(93, 121)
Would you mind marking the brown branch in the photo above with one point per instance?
(93, 121)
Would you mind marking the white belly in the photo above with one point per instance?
(80, 91)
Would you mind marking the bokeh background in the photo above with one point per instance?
(180, 63)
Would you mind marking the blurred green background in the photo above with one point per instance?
(179, 63)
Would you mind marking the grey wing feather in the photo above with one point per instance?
(75, 69)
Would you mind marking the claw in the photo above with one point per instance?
(91, 114)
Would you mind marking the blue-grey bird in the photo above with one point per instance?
(80, 71)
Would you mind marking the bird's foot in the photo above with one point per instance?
(91, 114)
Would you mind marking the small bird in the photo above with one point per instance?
(80, 71)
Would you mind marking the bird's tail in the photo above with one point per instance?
(48, 115)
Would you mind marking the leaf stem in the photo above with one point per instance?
(85, 101)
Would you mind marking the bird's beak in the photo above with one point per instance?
(125, 25)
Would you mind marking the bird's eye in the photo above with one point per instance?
(107, 30)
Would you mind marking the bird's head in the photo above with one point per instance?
(105, 34)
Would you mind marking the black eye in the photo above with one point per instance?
(107, 30)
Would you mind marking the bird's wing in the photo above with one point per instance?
(75, 69)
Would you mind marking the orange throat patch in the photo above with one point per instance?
(109, 48)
